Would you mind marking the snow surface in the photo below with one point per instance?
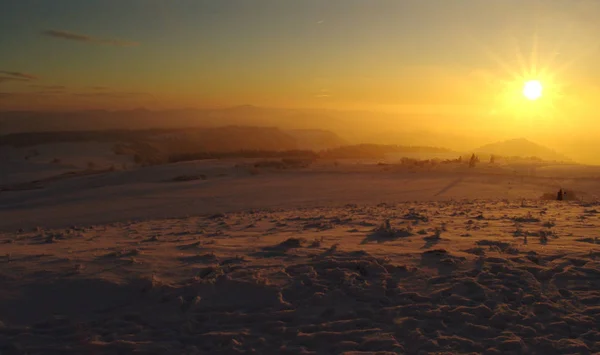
(337, 258)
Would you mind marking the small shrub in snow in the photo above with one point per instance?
(385, 230)
(519, 231)
(184, 178)
(529, 218)
(316, 243)
(416, 216)
(293, 243)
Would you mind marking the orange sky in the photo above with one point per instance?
(464, 62)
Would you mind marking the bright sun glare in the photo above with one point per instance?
(532, 90)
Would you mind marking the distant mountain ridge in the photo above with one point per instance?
(316, 139)
(521, 147)
(354, 126)
(221, 139)
(85, 120)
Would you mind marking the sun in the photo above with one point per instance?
(532, 90)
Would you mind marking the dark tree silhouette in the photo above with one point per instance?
(473, 161)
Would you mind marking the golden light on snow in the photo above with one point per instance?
(532, 90)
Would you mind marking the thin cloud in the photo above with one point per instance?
(49, 87)
(323, 94)
(12, 76)
(19, 75)
(4, 79)
(112, 95)
(70, 36)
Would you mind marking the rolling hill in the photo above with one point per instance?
(521, 147)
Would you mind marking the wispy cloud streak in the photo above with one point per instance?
(18, 75)
(49, 87)
(12, 76)
(78, 37)
(4, 79)
(112, 95)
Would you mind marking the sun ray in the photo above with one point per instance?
(557, 49)
(544, 58)
(491, 55)
(534, 55)
(520, 56)
(590, 50)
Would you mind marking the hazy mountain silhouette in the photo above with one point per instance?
(316, 139)
(309, 128)
(245, 115)
(186, 140)
(423, 137)
(521, 147)
(233, 138)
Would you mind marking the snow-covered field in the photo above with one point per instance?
(219, 258)
(43, 161)
(235, 185)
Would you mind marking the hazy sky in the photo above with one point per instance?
(462, 58)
